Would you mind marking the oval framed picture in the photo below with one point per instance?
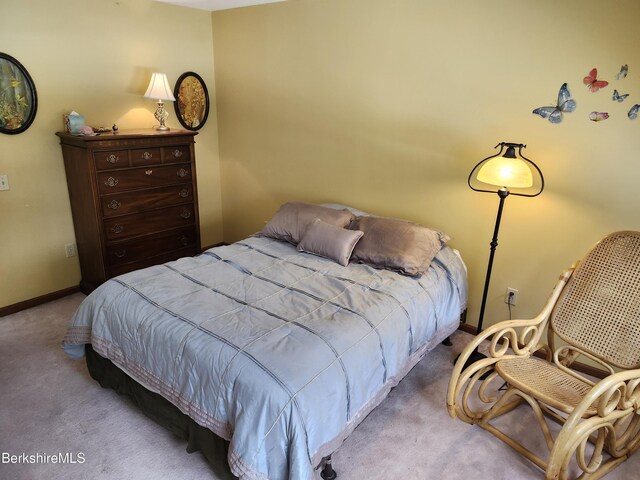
(192, 101)
(18, 98)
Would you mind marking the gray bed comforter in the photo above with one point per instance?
(279, 352)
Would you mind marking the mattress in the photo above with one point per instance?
(281, 353)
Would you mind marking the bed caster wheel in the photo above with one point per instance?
(328, 473)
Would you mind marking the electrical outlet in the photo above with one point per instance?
(70, 250)
(4, 182)
(511, 297)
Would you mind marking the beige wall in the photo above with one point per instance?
(384, 105)
(96, 58)
(387, 105)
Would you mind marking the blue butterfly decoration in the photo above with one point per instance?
(633, 113)
(565, 104)
(624, 69)
(619, 98)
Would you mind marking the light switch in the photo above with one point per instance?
(4, 182)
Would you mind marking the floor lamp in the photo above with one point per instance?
(506, 173)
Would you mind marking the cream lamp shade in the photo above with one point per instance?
(160, 90)
(508, 170)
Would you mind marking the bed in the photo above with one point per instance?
(279, 352)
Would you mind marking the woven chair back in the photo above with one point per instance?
(599, 308)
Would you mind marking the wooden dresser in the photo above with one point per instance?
(133, 198)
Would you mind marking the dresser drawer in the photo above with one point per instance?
(142, 248)
(156, 176)
(121, 268)
(111, 159)
(179, 153)
(145, 156)
(149, 222)
(140, 200)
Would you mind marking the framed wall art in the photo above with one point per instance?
(192, 101)
(18, 98)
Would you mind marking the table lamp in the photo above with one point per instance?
(160, 90)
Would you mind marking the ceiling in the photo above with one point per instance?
(212, 5)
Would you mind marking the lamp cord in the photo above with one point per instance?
(511, 294)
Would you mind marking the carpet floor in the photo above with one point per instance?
(49, 405)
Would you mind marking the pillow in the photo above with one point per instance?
(329, 241)
(292, 219)
(397, 245)
(339, 206)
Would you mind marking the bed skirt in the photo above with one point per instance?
(213, 448)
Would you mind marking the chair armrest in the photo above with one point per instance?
(515, 334)
(620, 391)
(521, 336)
(616, 399)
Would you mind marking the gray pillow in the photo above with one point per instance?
(396, 244)
(293, 218)
(329, 241)
(339, 206)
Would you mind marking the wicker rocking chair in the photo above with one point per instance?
(594, 312)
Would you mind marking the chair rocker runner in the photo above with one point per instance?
(593, 312)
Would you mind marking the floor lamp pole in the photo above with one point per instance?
(503, 193)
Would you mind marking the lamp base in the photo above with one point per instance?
(474, 357)
(161, 115)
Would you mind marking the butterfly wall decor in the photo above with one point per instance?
(565, 104)
(624, 69)
(598, 116)
(619, 98)
(592, 83)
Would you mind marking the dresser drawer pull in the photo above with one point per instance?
(147, 155)
(184, 193)
(120, 253)
(117, 228)
(177, 153)
(113, 158)
(185, 214)
(111, 182)
(114, 204)
(182, 172)
(148, 172)
(184, 240)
